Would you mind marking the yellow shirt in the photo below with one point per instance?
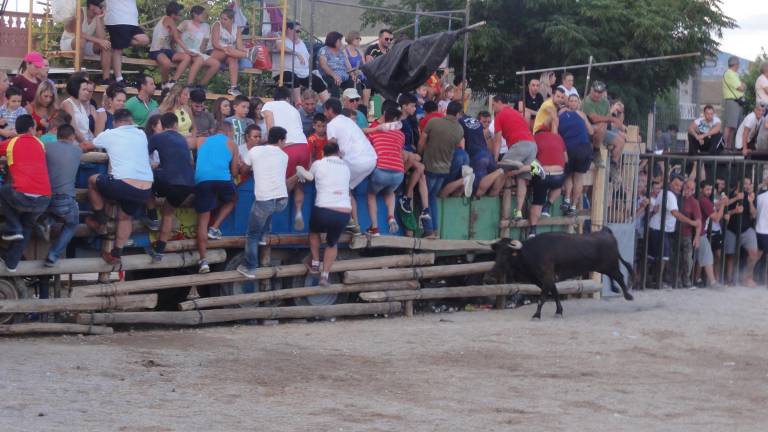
(185, 121)
(542, 117)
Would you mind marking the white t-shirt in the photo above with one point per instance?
(353, 144)
(331, 182)
(268, 163)
(287, 117)
(752, 123)
(503, 148)
(121, 12)
(291, 61)
(128, 152)
(762, 213)
(669, 222)
(569, 93)
(193, 36)
(702, 126)
(761, 89)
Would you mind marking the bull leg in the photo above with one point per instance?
(537, 315)
(556, 295)
(617, 277)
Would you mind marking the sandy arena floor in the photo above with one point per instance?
(672, 360)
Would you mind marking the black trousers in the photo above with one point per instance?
(712, 145)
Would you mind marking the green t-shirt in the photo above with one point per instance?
(139, 110)
(443, 135)
(601, 107)
(731, 83)
(48, 138)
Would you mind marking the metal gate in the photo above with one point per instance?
(620, 207)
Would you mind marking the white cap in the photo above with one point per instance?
(350, 93)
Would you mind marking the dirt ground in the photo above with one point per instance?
(672, 360)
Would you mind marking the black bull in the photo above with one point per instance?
(551, 257)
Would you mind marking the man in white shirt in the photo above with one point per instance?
(279, 112)
(355, 150)
(672, 214)
(748, 129)
(762, 222)
(761, 85)
(122, 22)
(129, 184)
(705, 133)
(268, 163)
(297, 61)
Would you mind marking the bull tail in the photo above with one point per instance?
(628, 266)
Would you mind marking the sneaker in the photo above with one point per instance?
(203, 266)
(311, 269)
(214, 233)
(468, 178)
(545, 210)
(13, 236)
(373, 232)
(111, 259)
(298, 222)
(425, 216)
(406, 204)
(324, 282)
(262, 242)
(169, 85)
(538, 170)
(352, 227)
(243, 270)
(303, 174)
(155, 255)
(234, 91)
(43, 229)
(565, 205)
(572, 211)
(517, 215)
(392, 224)
(49, 263)
(531, 235)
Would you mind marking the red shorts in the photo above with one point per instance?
(298, 154)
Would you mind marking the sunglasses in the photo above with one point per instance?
(388, 39)
(355, 100)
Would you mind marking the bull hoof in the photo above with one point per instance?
(629, 297)
(614, 289)
(536, 318)
(559, 315)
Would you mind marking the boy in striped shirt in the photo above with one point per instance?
(389, 172)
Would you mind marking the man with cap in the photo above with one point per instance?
(351, 99)
(733, 90)
(598, 111)
(27, 79)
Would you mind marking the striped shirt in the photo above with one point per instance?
(389, 148)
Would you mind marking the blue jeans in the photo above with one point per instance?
(460, 158)
(434, 185)
(64, 208)
(258, 223)
(21, 213)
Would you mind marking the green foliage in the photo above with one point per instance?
(536, 34)
(749, 77)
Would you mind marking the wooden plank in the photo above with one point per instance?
(233, 300)
(239, 242)
(38, 328)
(133, 61)
(144, 301)
(97, 265)
(413, 243)
(415, 273)
(129, 287)
(199, 317)
(564, 288)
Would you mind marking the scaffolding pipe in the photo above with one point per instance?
(392, 10)
(466, 54)
(610, 63)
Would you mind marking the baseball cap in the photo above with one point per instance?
(34, 58)
(598, 86)
(350, 93)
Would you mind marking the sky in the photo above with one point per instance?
(745, 41)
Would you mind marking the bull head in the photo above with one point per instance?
(507, 252)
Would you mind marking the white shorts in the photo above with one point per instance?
(359, 171)
(66, 45)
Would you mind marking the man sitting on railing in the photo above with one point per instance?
(122, 22)
(94, 37)
(704, 134)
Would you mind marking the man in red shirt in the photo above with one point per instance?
(430, 112)
(521, 156)
(690, 236)
(553, 156)
(27, 195)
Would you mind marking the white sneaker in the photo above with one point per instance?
(303, 174)
(468, 177)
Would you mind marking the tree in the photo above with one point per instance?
(535, 34)
(749, 78)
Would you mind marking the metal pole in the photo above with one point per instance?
(393, 10)
(30, 26)
(589, 76)
(466, 53)
(311, 39)
(611, 63)
(293, 57)
(282, 46)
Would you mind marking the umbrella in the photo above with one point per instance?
(409, 63)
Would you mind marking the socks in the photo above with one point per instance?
(118, 78)
(159, 246)
(117, 252)
(315, 263)
(324, 275)
(152, 213)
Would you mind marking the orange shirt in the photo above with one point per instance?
(316, 145)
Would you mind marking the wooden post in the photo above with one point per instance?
(501, 302)
(414, 273)
(30, 26)
(563, 288)
(408, 306)
(282, 45)
(266, 261)
(283, 294)
(36, 328)
(597, 211)
(78, 36)
(506, 206)
(198, 317)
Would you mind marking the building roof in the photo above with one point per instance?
(714, 68)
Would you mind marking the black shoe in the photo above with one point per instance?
(406, 204)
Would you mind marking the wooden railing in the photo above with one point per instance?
(13, 33)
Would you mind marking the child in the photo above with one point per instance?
(319, 139)
(10, 112)
(421, 99)
(445, 98)
(240, 121)
(164, 34)
(57, 119)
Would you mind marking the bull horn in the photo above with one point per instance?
(515, 244)
(486, 242)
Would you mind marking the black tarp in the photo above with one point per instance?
(409, 63)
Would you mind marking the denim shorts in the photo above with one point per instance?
(384, 180)
(130, 198)
(541, 187)
(168, 53)
(330, 222)
(209, 194)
